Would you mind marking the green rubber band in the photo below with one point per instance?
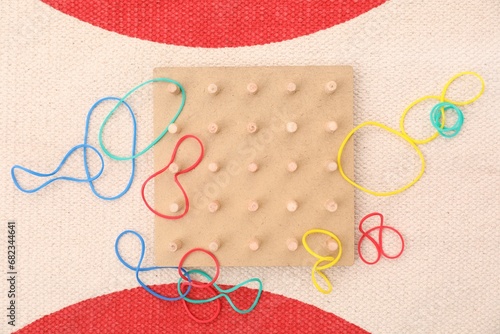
(223, 292)
(157, 139)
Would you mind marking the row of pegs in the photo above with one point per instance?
(253, 206)
(252, 127)
(252, 88)
(254, 245)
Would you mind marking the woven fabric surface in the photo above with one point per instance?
(55, 66)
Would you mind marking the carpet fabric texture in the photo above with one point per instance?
(55, 66)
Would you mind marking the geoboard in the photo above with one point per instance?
(271, 137)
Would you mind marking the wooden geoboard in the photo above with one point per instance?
(274, 107)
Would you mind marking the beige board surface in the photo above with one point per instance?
(271, 147)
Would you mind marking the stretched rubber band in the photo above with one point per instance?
(395, 132)
(198, 320)
(160, 136)
(61, 164)
(330, 260)
(438, 123)
(134, 142)
(138, 269)
(195, 284)
(223, 293)
(176, 175)
(378, 244)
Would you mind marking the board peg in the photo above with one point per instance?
(254, 244)
(253, 167)
(213, 167)
(330, 87)
(174, 207)
(213, 128)
(173, 128)
(332, 245)
(173, 89)
(252, 88)
(291, 88)
(292, 166)
(331, 126)
(213, 206)
(214, 245)
(174, 245)
(292, 206)
(173, 168)
(253, 206)
(291, 127)
(331, 166)
(252, 127)
(292, 244)
(213, 89)
(331, 206)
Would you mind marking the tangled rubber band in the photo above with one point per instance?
(223, 293)
(160, 136)
(437, 121)
(186, 281)
(176, 175)
(378, 244)
(85, 146)
(330, 260)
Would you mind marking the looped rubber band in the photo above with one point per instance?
(331, 261)
(160, 136)
(194, 284)
(438, 123)
(223, 293)
(395, 132)
(192, 316)
(138, 269)
(378, 244)
(176, 175)
(58, 168)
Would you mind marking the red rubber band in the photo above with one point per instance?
(378, 244)
(183, 171)
(194, 283)
(191, 315)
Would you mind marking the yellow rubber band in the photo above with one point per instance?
(455, 77)
(331, 261)
(397, 133)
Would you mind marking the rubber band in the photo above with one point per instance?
(176, 175)
(438, 124)
(85, 146)
(200, 285)
(223, 293)
(138, 269)
(198, 320)
(331, 261)
(405, 112)
(378, 244)
(160, 136)
(58, 168)
(399, 134)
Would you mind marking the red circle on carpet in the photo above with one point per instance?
(136, 311)
(215, 23)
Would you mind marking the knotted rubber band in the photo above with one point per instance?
(192, 316)
(138, 269)
(160, 136)
(378, 245)
(223, 293)
(399, 134)
(200, 285)
(438, 122)
(176, 175)
(58, 168)
(331, 261)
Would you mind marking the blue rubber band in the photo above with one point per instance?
(134, 142)
(437, 121)
(63, 161)
(138, 269)
(222, 292)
